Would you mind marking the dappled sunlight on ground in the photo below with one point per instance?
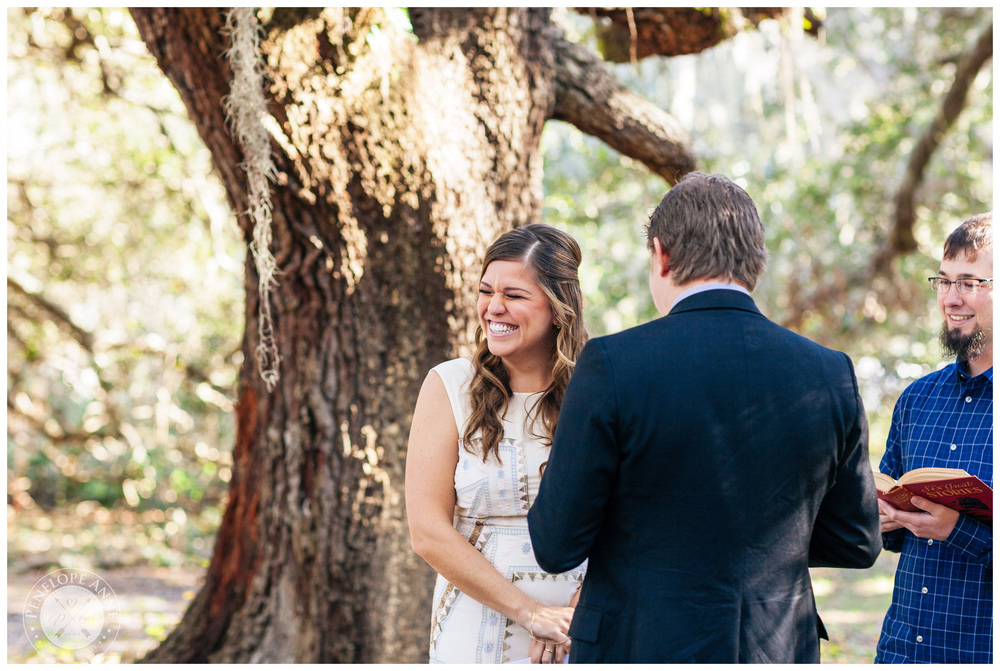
(154, 585)
(150, 601)
(852, 604)
(153, 575)
(880, 585)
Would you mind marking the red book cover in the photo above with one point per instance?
(966, 493)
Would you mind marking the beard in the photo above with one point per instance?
(964, 347)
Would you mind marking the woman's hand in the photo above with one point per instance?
(549, 627)
(547, 652)
(550, 623)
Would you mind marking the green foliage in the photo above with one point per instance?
(820, 141)
(596, 194)
(125, 312)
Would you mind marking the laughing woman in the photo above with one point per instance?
(478, 444)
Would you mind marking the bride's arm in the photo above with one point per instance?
(432, 456)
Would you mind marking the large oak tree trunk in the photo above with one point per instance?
(399, 160)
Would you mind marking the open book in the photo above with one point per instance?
(951, 487)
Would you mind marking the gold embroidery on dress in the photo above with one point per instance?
(521, 474)
(445, 604)
(476, 530)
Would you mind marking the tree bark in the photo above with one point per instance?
(399, 159)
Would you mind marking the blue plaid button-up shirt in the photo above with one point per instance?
(942, 603)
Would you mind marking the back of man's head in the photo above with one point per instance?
(710, 228)
(975, 235)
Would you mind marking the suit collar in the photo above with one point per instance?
(708, 286)
(715, 299)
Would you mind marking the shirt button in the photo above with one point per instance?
(923, 591)
(930, 541)
(920, 639)
(954, 447)
(968, 399)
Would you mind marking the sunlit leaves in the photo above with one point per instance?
(115, 219)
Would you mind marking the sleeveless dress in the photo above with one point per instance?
(492, 501)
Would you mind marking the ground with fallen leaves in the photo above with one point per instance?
(155, 570)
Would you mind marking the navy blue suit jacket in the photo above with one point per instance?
(702, 462)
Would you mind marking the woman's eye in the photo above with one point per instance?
(484, 292)
(513, 296)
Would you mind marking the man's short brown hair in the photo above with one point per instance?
(710, 228)
(973, 236)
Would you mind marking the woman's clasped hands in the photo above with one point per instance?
(549, 630)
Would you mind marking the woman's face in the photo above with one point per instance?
(514, 313)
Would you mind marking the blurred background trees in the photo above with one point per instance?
(125, 266)
(124, 294)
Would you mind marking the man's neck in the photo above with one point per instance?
(981, 363)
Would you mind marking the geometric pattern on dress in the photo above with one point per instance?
(451, 594)
(493, 488)
(515, 474)
(572, 580)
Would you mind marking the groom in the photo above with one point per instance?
(705, 460)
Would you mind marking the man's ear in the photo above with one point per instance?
(662, 259)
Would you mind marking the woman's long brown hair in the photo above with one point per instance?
(554, 257)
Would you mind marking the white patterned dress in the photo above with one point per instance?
(492, 501)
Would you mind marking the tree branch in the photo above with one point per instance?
(901, 240)
(193, 373)
(60, 316)
(57, 433)
(85, 339)
(591, 99)
(631, 33)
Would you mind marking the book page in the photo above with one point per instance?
(883, 482)
(930, 473)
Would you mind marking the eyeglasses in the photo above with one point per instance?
(966, 285)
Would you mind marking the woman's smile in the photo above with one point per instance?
(501, 329)
(515, 313)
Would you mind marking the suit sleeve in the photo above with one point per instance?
(582, 470)
(846, 533)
